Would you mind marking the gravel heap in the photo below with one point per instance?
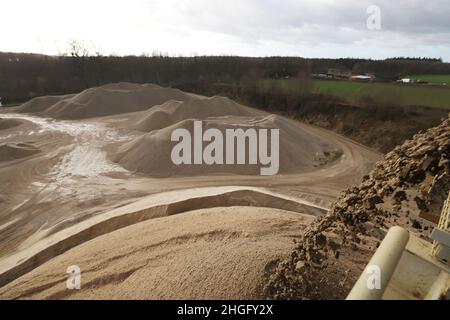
(407, 188)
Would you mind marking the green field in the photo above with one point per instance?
(432, 78)
(388, 93)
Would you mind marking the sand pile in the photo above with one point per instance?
(410, 184)
(173, 111)
(13, 151)
(40, 104)
(218, 253)
(299, 150)
(102, 101)
(9, 123)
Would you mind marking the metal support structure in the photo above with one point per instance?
(374, 280)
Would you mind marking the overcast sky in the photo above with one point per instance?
(309, 28)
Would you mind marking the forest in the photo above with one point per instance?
(24, 76)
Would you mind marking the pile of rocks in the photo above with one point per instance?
(407, 188)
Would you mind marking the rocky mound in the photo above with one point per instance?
(173, 111)
(410, 184)
(13, 151)
(299, 150)
(9, 123)
(103, 101)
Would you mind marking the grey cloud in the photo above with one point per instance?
(315, 22)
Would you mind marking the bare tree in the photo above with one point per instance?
(80, 56)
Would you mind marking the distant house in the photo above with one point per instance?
(335, 74)
(361, 77)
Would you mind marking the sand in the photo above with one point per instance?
(174, 111)
(73, 178)
(218, 253)
(299, 150)
(149, 153)
(102, 101)
(63, 238)
(9, 123)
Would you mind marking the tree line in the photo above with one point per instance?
(24, 76)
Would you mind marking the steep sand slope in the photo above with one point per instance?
(218, 253)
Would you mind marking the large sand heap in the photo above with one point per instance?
(173, 111)
(103, 101)
(299, 150)
(13, 151)
(218, 253)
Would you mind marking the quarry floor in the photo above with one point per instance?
(71, 184)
